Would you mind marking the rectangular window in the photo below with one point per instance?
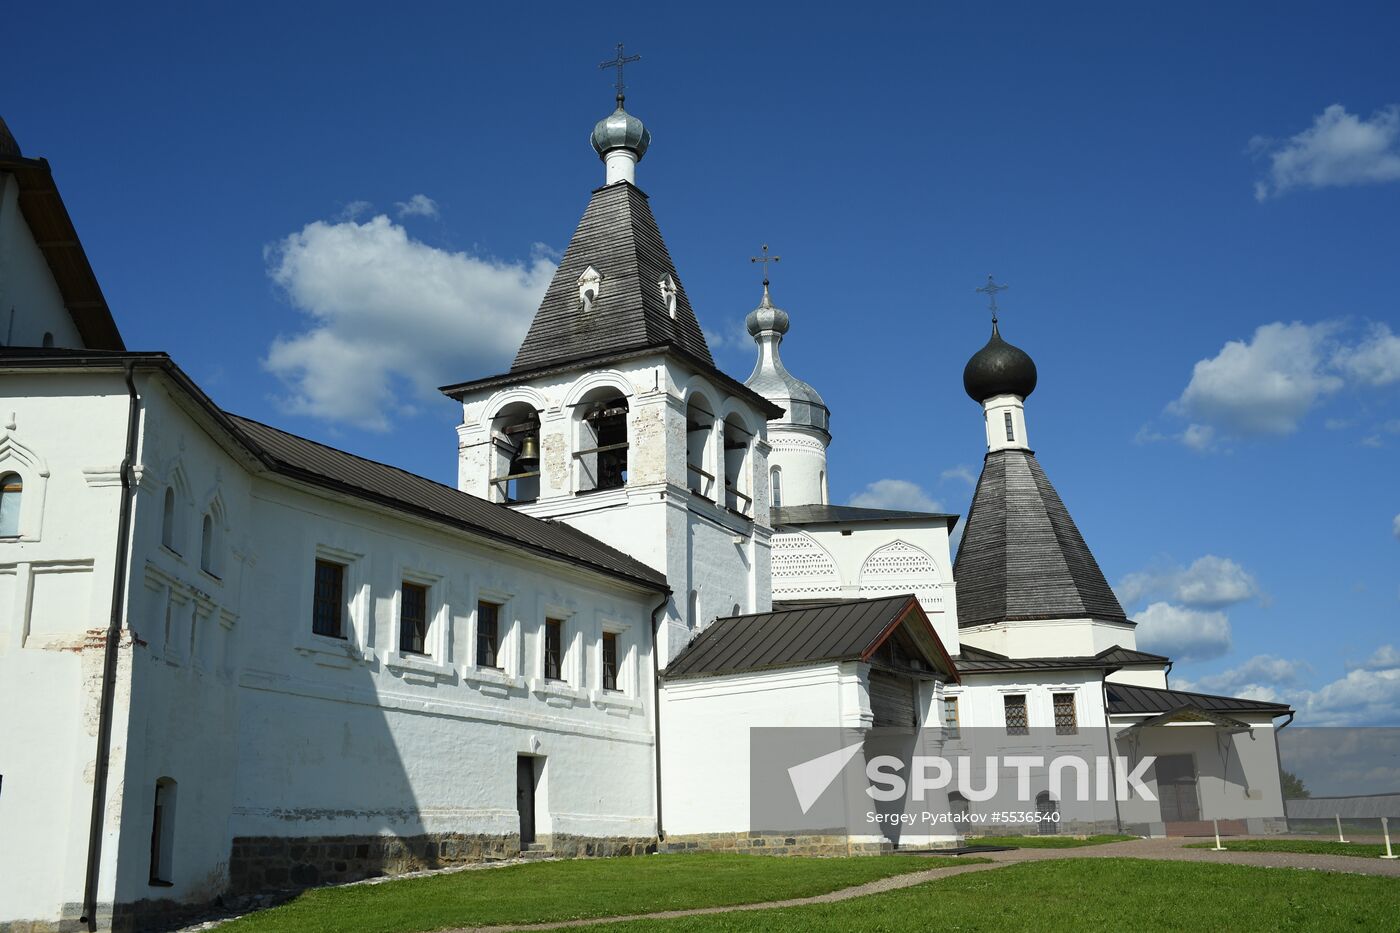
(413, 618)
(328, 614)
(1065, 722)
(1010, 434)
(488, 636)
(609, 660)
(1016, 723)
(950, 717)
(553, 649)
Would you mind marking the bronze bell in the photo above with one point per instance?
(528, 459)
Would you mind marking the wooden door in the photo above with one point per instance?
(1176, 789)
(525, 798)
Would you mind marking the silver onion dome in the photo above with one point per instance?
(620, 130)
(802, 404)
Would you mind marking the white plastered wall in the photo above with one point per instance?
(30, 302)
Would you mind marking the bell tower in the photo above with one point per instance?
(615, 420)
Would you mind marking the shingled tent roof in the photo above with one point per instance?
(1021, 555)
(619, 238)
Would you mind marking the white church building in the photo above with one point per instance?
(233, 659)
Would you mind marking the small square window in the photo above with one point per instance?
(609, 660)
(488, 642)
(328, 614)
(1010, 432)
(1016, 722)
(553, 649)
(413, 618)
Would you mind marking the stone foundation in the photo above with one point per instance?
(278, 863)
(827, 845)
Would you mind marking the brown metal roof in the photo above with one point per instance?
(849, 514)
(845, 631)
(1133, 700)
(48, 220)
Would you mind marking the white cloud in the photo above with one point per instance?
(1181, 633)
(1374, 361)
(1263, 386)
(353, 209)
(392, 318)
(895, 494)
(1259, 678)
(1210, 582)
(1363, 697)
(420, 205)
(1385, 657)
(1339, 149)
(959, 472)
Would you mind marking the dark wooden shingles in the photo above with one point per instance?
(1022, 557)
(1129, 698)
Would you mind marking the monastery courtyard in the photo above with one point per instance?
(1066, 884)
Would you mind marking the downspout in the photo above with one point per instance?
(1112, 759)
(109, 657)
(656, 708)
(1278, 759)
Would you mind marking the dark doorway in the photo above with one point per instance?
(1047, 814)
(1176, 788)
(525, 798)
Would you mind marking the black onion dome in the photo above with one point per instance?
(999, 369)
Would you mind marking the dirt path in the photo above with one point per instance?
(1163, 849)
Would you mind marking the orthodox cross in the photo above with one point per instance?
(990, 290)
(618, 62)
(765, 259)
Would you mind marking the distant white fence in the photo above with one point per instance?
(1371, 807)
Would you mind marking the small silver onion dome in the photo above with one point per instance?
(802, 405)
(767, 317)
(620, 130)
(999, 369)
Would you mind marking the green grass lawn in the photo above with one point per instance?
(572, 889)
(1045, 842)
(1306, 846)
(1076, 895)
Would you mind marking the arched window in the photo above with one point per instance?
(957, 806)
(163, 833)
(736, 461)
(775, 488)
(735, 611)
(694, 620)
(1047, 814)
(47, 342)
(601, 452)
(699, 433)
(206, 545)
(167, 519)
(11, 496)
(822, 479)
(515, 454)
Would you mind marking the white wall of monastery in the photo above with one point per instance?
(1058, 638)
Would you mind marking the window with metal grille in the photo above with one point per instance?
(328, 613)
(1010, 432)
(488, 643)
(1065, 722)
(413, 618)
(553, 649)
(950, 717)
(609, 660)
(1016, 723)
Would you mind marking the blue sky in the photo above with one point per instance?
(1156, 184)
